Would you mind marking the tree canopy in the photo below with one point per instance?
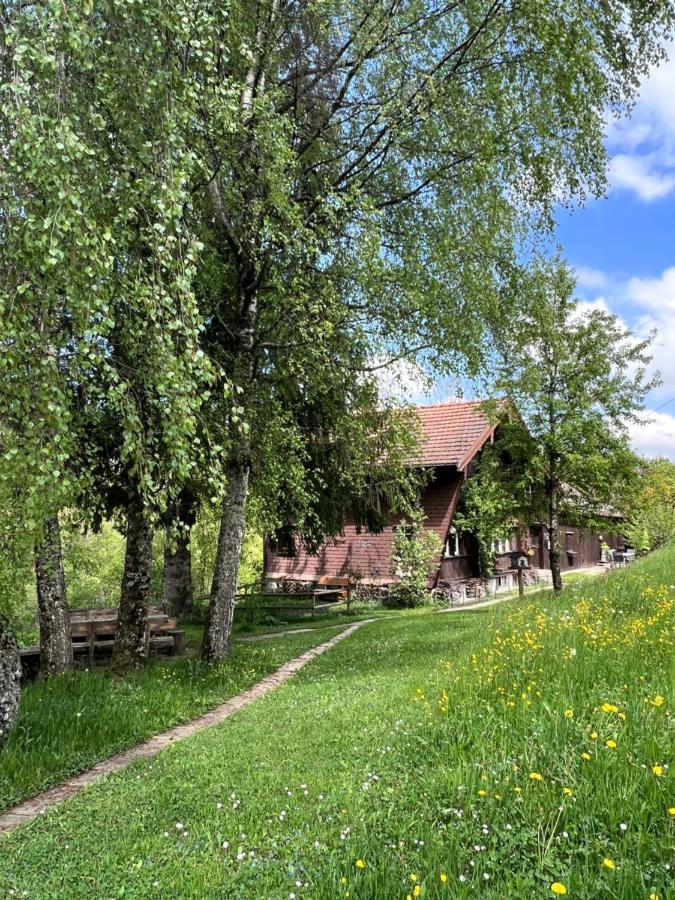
(219, 219)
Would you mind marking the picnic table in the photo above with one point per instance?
(94, 630)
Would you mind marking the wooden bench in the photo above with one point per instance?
(339, 587)
(94, 630)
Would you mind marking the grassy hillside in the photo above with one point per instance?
(518, 751)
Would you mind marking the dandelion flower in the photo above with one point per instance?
(567, 791)
(654, 896)
(657, 701)
(657, 770)
(413, 877)
(444, 878)
(569, 714)
(482, 793)
(609, 863)
(360, 864)
(417, 890)
(343, 880)
(594, 735)
(609, 708)
(611, 744)
(671, 810)
(586, 756)
(535, 776)
(558, 888)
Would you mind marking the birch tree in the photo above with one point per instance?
(578, 380)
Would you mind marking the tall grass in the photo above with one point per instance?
(521, 751)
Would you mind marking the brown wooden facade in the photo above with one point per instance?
(455, 435)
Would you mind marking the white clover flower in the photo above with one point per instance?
(226, 844)
(623, 826)
(179, 826)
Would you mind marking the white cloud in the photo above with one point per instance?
(591, 279)
(653, 301)
(636, 173)
(643, 146)
(646, 306)
(588, 306)
(655, 437)
(401, 379)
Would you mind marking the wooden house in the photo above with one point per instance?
(453, 436)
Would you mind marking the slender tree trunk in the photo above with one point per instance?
(56, 645)
(131, 638)
(10, 678)
(218, 627)
(177, 573)
(554, 541)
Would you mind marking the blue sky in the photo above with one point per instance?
(623, 246)
(623, 249)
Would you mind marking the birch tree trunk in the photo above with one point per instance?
(220, 614)
(131, 638)
(10, 676)
(56, 646)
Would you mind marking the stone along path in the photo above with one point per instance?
(30, 809)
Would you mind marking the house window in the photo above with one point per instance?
(452, 543)
(503, 545)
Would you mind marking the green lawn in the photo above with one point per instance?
(447, 753)
(71, 722)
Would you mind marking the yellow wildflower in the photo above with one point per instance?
(671, 811)
(654, 896)
(360, 864)
(585, 755)
(413, 877)
(482, 793)
(343, 880)
(657, 770)
(594, 735)
(517, 790)
(609, 863)
(611, 744)
(657, 701)
(567, 791)
(535, 776)
(417, 890)
(444, 878)
(558, 888)
(609, 708)
(569, 714)
(622, 716)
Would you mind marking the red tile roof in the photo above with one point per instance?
(453, 432)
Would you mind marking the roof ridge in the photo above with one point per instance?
(450, 404)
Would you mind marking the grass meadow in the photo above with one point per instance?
(67, 724)
(523, 750)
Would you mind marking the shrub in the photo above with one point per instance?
(416, 552)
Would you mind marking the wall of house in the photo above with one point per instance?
(579, 548)
(367, 553)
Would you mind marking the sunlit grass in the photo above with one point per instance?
(437, 756)
(70, 722)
